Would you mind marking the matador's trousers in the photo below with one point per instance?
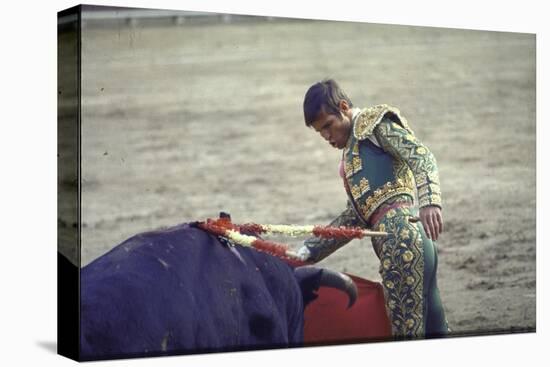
(408, 266)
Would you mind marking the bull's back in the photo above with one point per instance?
(180, 290)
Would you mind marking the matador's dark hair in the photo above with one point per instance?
(323, 96)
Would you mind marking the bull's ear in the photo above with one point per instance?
(224, 215)
(309, 280)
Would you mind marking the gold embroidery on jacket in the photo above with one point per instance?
(364, 185)
(351, 168)
(355, 150)
(413, 157)
(357, 164)
(380, 195)
(370, 117)
(357, 191)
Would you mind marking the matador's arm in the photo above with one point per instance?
(319, 248)
(402, 144)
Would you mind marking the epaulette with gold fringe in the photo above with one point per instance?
(371, 116)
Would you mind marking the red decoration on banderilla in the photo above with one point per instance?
(247, 235)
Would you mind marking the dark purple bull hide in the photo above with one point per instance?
(180, 290)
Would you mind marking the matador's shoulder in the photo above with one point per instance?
(371, 116)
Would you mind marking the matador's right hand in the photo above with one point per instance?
(432, 220)
(304, 254)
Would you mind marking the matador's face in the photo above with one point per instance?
(333, 128)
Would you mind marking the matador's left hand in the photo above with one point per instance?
(432, 220)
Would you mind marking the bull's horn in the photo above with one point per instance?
(331, 278)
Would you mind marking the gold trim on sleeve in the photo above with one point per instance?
(434, 199)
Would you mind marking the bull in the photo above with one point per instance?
(181, 290)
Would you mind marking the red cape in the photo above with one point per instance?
(329, 321)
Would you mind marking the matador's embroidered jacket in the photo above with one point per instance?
(382, 160)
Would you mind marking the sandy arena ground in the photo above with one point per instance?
(181, 122)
